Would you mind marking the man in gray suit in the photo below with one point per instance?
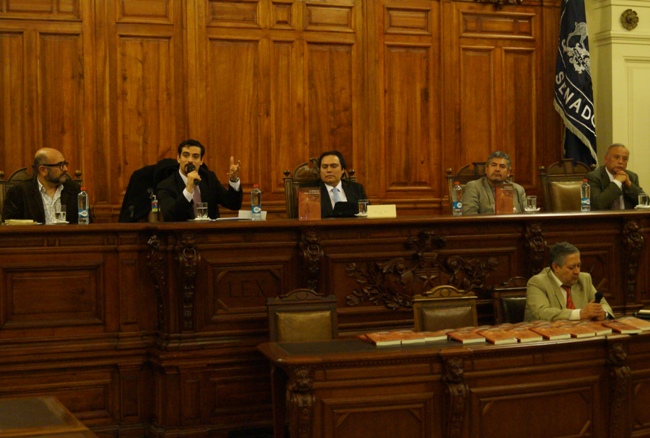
(478, 196)
(613, 187)
(562, 291)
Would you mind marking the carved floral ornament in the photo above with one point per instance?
(393, 283)
(629, 19)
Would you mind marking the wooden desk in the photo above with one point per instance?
(100, 315)
(39, 417)
(595, 387)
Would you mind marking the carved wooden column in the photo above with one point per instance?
(620, 381)
(156, 261)
(457, 394)
(633, 243)
(537, 245)
(311, 254)
(300, 400)
(188, 259)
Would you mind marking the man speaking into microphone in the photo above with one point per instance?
(179, 193)
(561, 291)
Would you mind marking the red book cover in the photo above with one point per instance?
(550, 332)
(309, 203)
(504, 199)
(635, 322)
(621, 327)
(466, 336)
(438, 335)
(577, 330)
(597, 326)
(524, 335)
(381, 339)
(498, 335)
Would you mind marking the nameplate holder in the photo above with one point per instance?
(382, 211)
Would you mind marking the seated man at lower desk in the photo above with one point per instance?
(178, 193)
(479, 195)
(333, 188)
(562, 291)
(50, 189)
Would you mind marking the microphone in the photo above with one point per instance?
(598, 297)
(189, 168)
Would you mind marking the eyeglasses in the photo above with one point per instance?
(60, 165)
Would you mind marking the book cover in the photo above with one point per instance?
(598, 327)
(381, 339)
(504, 199)
(577, 330)
(411, 337)
(438, 335)
(621, 327)
(524, 335)
(466, 336)
(309, 203)
(550, 332)
(498, 336)
(635, 322)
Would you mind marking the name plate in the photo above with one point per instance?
(382, 211)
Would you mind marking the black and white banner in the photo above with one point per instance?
(573, 91)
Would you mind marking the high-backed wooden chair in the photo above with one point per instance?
(307, 174)
(444, 307)
(509, 301)
(561, 185)
(302, 315)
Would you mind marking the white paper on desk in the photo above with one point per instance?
(247, 214)
(382, 211)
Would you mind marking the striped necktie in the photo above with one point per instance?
(569, 300)
(196, 198)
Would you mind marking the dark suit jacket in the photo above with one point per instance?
(604, 192)
(176, 208)
(24, 202)
(353, 191)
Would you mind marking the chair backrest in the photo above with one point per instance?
(307, 174)
(444, 307)
(561, 185)
(302, 315)
(509, 301)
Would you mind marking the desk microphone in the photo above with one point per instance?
(598, 297)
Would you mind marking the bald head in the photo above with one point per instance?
(50, 167)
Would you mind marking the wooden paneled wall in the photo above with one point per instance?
(405, 89)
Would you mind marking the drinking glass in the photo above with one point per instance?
(644, 200)
(363, 206)
(60, 213)
(202, 210)
(531, 203)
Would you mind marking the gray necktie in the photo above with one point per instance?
(196, 197)
(335, 194)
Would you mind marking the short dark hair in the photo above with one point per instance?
(337, 154)
(188, 143)
(499, 154)
(559, 253)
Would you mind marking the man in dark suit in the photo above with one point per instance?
(334, 189)
(613, 187)
(561, 291)
(178, 193)
(50, 188)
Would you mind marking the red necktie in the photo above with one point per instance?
(569, 301)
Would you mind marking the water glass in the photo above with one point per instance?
(202, 210)
(363, 206)
(644, 200)
(531, 203)
(60, 213)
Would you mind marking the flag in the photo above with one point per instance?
(573, 92)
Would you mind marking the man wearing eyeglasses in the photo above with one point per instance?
(40, 197)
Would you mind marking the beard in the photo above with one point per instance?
(57, 180)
